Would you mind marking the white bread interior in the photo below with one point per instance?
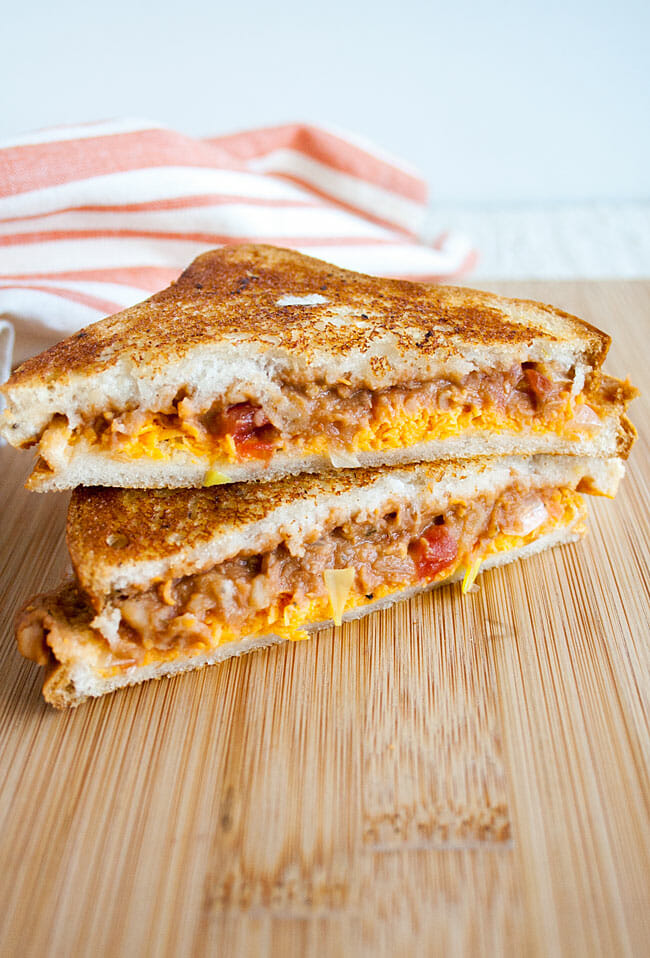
(87, 465)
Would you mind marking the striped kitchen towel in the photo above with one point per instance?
(94, 218)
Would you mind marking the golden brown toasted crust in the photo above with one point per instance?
(617, 394)
(626, 438)
(234, 292)
(59, 688)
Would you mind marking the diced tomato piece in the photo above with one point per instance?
(538, 384)
(242, 420)
(434, 551)
(255, 448)
(252, 433)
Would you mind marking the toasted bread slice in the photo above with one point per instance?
(85, 465)
(260, 362)
(127, 539)
(167, 580)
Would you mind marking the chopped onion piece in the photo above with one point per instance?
(342, 459)
(531, 514)
(338, 583)
(108, 623)
(260, 597)
(585, 417)
(470, 575)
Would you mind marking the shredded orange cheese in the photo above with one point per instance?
(158, 439)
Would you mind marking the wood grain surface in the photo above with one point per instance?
(455, 776)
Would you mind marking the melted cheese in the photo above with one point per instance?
(338, 583)
(214, 478)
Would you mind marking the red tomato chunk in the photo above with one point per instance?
(539, 385)
(435, 550)
(243, 420)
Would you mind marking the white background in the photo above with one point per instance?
(495, 102)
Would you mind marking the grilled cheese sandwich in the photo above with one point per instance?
(259, 363)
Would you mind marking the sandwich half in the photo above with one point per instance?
(260, 362)
(171, 580)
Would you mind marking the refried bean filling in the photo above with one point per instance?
(398, 548)
(526, 393)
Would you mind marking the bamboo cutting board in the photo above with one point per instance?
(454, 776)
